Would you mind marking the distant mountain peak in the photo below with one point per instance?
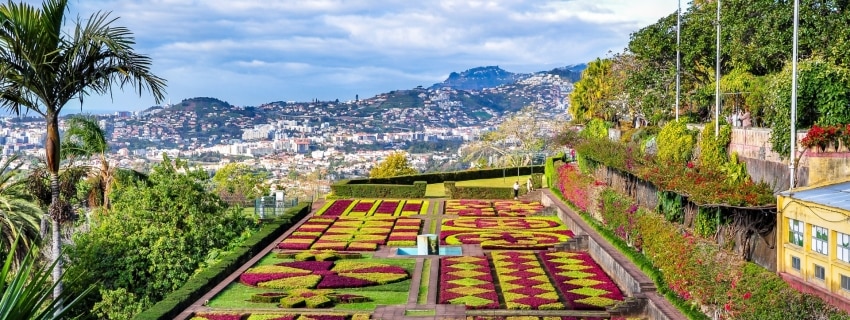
(479, 78)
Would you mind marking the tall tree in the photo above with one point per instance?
(85, 139)
(395, 164)
(591, 92)
(42, 69)
(237, 182)
(514, 141)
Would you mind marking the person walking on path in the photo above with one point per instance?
(529, 185)
(516, 190)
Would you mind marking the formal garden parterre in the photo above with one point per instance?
(492, 208)
(331, 261)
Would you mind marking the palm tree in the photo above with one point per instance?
(84, 139)
(19, 217)
(42, 69)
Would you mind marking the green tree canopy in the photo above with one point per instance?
(396, 164)
(159, 231)
(239, 182)
(43, 67)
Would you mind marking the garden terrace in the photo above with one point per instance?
(334, 264)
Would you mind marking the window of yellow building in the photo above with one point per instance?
(795, 263)
(820, 272)
(845, 282)
(795, 233)
(843, 245)
(820, 240)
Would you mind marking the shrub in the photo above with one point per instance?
(712, 147)
(675, 142)
(200, 283)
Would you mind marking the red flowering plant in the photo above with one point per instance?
(821, 137)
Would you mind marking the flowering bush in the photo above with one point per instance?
(820, 137)
(573, 185)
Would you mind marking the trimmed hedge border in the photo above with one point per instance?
(455, 192)
(347, 190)
(438, 177)
(175, 302)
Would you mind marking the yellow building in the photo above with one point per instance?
(813, 241)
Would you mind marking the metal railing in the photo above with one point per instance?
(269, 207)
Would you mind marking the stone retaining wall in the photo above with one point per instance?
(622, 271)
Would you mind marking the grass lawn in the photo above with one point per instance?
(236, 295)
(425, 281)
(436, 190)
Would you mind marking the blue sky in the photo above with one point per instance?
(249, 52)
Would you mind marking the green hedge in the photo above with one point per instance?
(439, 177)
(455, 192)
(201, 283)
(348, 190)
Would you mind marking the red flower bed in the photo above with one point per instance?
(524, 282)
(220, 316)
(323, 274)
(337, 208)
(504, 233)
(350, 233)
(363, 207)
(582, 282)
(467, 280)
(413, 207)
(387, 207)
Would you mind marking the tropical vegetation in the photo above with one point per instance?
(43, 67)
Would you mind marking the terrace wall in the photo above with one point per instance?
(621, 270)
(749, 232)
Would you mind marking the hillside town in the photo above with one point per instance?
(326, 141)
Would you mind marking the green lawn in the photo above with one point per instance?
(436, 190)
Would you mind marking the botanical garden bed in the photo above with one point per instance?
(328, 262)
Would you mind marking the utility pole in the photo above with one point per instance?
(678, 59)
(717, 79)
(791, 168)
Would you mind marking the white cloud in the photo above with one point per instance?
(253, 51)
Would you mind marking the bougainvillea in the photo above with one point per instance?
(505, 233)
(523, 282)
(581, 281)
(468, 281)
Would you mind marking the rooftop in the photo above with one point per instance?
(833, 195)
